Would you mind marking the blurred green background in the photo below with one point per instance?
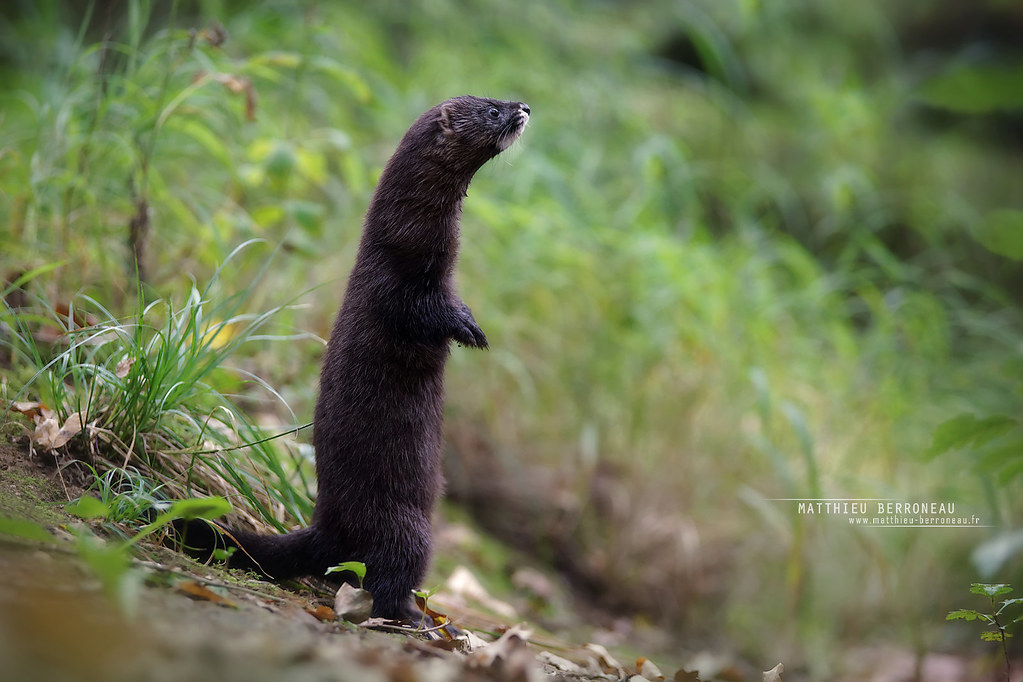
(744, 251)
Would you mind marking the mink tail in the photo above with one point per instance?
(278, 557)
(302, 553)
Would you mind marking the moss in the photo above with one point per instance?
(26, 495)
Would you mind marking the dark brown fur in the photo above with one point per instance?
(377, 427)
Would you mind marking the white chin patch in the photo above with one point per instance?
(507, 140)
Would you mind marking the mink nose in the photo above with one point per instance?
(524, 107)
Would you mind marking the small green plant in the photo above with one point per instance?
(110, 561)
(994, 619)
(422, 598)
(355, 567)
(127, 495)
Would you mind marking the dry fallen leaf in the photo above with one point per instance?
(774, 674)
(469, 641)
(509, 657)
(560, 664)
(604, 661)
(353, 604)
(687, 676)
(534, 583)
(49, 435)
(465, 585)
(31, 410)
(123, 367)
(322, 613)
(197, 591)
(646, 668)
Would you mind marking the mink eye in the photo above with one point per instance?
(494, 113)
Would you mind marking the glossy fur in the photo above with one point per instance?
(378, 421)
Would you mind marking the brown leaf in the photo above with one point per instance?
(250, 103)
(446, 644)
(239, 84)
(215, 35)
(510, 655)
(123, 367)
(233, 83)
(49, 435)
(604, 660)
(687, 676)
(469, 641)
(80, 318)
(464, 584)
(535, 583)
(322, 613)
(646, 668)
(200, 592)
(31, 410)
(438, 617)
(560, 664)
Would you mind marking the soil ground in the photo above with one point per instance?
(175, 619)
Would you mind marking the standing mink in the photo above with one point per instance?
(377, 426)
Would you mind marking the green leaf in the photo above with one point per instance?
(308, 215)
(210, 140)
(356, 567)
(990, 589)
(425, 594)
(963, 614)
(192, 508)
(199, 508)
(1001, 232)
(224, 554)
(30, 275)
(109, 562)
(994, 636)
(25, 529)
(86, 507)
(976, 89)
(966, 430)
(345, 76)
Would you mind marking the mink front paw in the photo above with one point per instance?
(466, 332)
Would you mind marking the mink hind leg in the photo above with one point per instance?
(394, 568)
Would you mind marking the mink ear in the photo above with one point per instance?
(444, 120)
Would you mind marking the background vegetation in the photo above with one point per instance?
(745, 251)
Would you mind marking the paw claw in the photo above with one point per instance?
(467, 332)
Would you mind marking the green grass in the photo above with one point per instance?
(772, 279)
(149, 395)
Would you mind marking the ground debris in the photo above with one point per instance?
(353, 604)
(181, 629)
(195, 590)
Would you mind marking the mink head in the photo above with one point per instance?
(475, 129)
